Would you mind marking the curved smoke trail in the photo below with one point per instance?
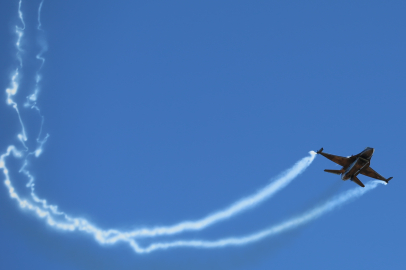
(114, 236)
(236, 208)
(14, 84)
(44, 210)
(32, 103)
(271, 231)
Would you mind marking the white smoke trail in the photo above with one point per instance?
(113, 236)
(32, 99)
(103, 236)
(236, 208)
(20, 33)
(32, 103)
(14, 85)
(39, 15)
(274, 230)
(44, 210)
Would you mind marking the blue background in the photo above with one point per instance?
(162, 111)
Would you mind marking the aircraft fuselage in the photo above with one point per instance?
(360, 163)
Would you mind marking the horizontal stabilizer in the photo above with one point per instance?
(387, 180)
(334, 171)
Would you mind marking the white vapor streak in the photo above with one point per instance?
(31, 102)
(13, 89)
(32, 99)
(274, 230)
(102, 236)
(53, 216)
(20, 33)
(236, 208)
(39, 15)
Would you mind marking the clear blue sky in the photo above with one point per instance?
(161, 111)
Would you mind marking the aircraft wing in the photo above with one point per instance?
(371, 173)
(343, 161)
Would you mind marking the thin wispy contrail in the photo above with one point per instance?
(39, 15)
(271, 231)
(238, 207)
(53, 216)
(15, 77)
(32, 103)
(32, 98)
(112, 236)
(20, 33)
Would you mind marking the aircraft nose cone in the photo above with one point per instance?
(369, 152)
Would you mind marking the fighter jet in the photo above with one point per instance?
(354, 165)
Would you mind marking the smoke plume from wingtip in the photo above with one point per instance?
(294, 222)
